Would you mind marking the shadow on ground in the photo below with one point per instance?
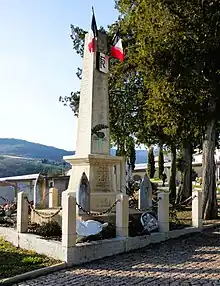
(189, 260)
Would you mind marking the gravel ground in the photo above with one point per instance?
(189, 260)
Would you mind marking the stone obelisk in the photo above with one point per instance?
(106, 174)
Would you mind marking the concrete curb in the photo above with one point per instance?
(211, 225)
(33, 274)
(138, 242)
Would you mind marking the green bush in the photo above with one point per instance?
(47, 229)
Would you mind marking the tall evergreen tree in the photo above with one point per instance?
(160, 162)
(167, 89)
(151, 163)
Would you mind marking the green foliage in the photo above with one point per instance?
(72, 101)
(32, 260)
(19, 157)
(167, 90)
(130, 151)
(15, 260)
(47, 229)
(123, 98)
(16, 167)
(151, 163)
(161, 162)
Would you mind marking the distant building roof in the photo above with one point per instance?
(140, 166)
(21, 178)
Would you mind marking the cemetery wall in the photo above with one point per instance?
(85, 252)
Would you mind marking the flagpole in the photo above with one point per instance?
(93, 17)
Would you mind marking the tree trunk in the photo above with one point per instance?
(185, 188)
(187, 175)
(209, 209)
(160, 161)
(172, 183)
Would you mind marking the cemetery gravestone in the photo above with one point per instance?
(145, 193)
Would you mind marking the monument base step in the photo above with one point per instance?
(110, 217)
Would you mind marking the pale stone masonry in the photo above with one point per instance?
(163, 211)
(53, 198)
(22, 213)
(94, 104)
(145, 193)
(68, 219)
(105, 173)
(197, 208)
(122, 215)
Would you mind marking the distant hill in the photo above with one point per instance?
(19, 157)
(22, 148)
(16, 167)
(30, 150)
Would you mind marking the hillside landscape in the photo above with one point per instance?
(19, 157)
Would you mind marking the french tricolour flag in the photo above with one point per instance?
(117, 48)
(93, 34)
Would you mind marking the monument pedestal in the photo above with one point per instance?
(106, 175)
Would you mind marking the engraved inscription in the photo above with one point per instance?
(102, 179)
(103, 203)
(102, 43)
(102, 176)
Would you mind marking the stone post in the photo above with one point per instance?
(123, 176)
(53, 198)
(22, 213)
(163, 211)
(68, 219)
(197, 208)
(122, 215)
(44, 190)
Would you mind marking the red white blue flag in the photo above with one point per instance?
(117, 48)
(93, 34)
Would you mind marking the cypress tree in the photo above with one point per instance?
(151, 163)
(161, 162)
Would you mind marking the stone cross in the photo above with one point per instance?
(145, 193)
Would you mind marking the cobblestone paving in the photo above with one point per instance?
(191, 260)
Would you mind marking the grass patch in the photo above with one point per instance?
(185, 217)
(15, 260)
(155, 180)
(200, 187)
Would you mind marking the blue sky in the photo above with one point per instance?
(38, 64)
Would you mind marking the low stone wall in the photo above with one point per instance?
(33, 242)
(73, 253)
(85, 252)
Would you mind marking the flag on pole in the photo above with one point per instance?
(93, 33)
(117, 48)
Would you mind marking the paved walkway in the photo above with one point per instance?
(192, 260)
